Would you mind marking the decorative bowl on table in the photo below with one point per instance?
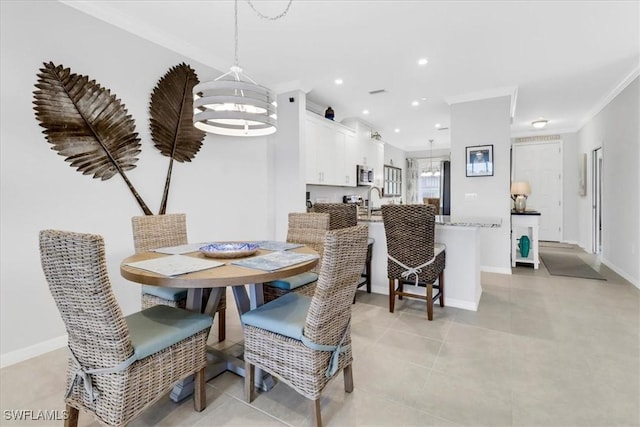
(229, 249)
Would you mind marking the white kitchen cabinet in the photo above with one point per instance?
(330, 153)
(370, 152)
(350, 158)
(378, 163)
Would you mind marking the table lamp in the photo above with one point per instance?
(520, 190)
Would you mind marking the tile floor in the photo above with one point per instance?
(541, 351)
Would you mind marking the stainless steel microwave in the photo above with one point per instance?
(364, 175)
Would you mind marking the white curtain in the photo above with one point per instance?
(413, 174)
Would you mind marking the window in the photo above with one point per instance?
(429, 177)
(392, 181)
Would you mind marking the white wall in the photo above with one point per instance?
(484, 122)
(288, 184)
(570, 162)
(223, 191)
(617, 130)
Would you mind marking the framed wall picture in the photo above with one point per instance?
(479, 160)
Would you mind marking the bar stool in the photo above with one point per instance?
(414, 259)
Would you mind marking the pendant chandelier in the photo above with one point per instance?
(431, 171)
(234, 104)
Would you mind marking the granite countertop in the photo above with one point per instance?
(489, 222)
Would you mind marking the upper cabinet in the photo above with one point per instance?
(331, 152)
(370, 152)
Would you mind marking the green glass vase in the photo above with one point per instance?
(524, 245)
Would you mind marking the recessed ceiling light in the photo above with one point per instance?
(438, 125)
(338, 81)
(423, 61)
(424, 98)
(396, 130)
(540, 123)
(415, 103)
(365, 111)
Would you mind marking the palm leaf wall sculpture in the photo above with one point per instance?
(87, 125)
(171, 120)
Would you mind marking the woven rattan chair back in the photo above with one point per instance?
(308, 229)
(345, 251)
(410, 233)
(305, 368)
(341, 215)
(158, 231)
(98, 336)
(433, 201)
(75, 268)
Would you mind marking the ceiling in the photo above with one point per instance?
(562, 60)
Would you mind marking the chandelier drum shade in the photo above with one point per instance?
(231, 106)
(234, 104)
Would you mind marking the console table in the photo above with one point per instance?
(525, 223)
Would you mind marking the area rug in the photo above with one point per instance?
(569, 265)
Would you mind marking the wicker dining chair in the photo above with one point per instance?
(342, 215)
(160, 231)
(415, 262)
(118, 366)
(307, 229)
(305, 341)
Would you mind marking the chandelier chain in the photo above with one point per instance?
(261, 15)
(270, 18)
(236, 34)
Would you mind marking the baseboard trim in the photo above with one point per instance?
(449, 302)
(26, 353)
(499, 270)
(457, 303)
(621, 273)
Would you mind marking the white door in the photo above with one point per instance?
(540, 163)
(596, 194)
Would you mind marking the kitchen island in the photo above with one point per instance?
(462, 271)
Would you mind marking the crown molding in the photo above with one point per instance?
(600, 105)
(101, 11)
(510, 91)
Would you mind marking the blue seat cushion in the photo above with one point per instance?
(290, 283)
(171, 294)
(285, 315)
(161, 326)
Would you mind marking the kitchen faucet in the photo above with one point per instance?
(380, 195)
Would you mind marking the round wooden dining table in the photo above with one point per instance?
(217, 279)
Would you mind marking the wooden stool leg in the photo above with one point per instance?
(315, 413)
(441, 284)
(392, 294)
(430, 301)
(347, 372)
(222, 325)
(200, 390)
(249, 382)
(72, 416)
